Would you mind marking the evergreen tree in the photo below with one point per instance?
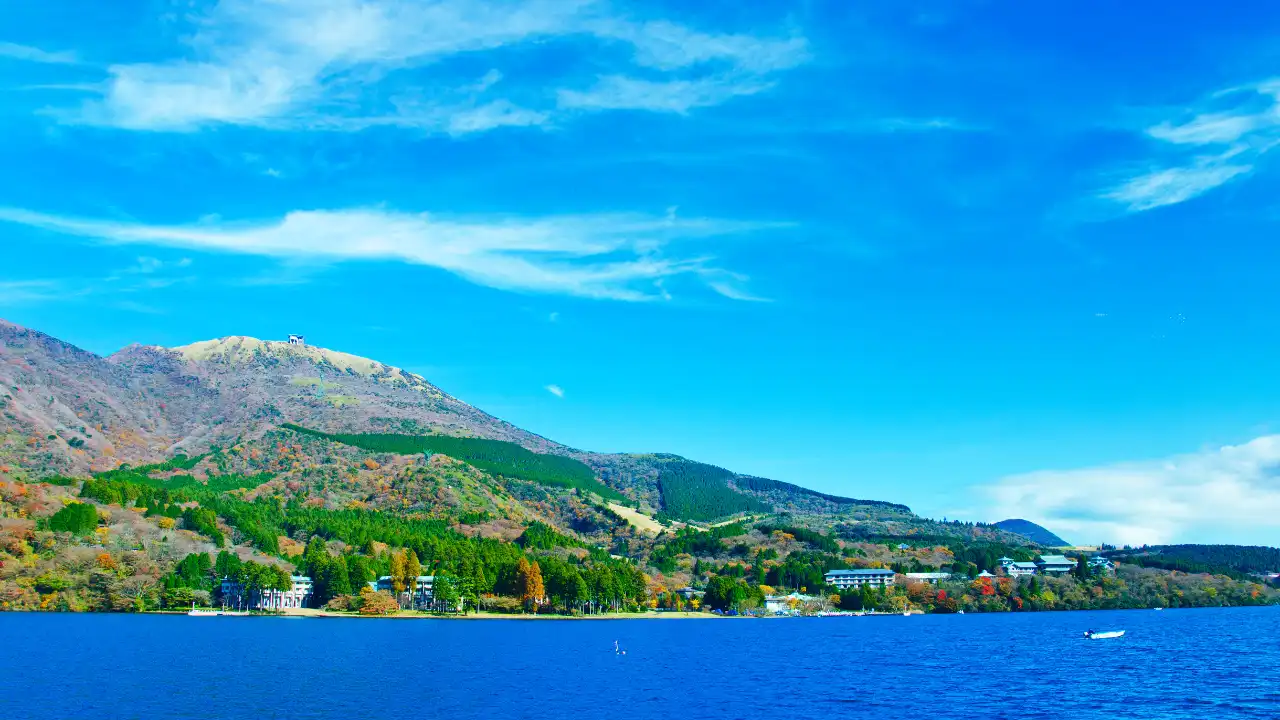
(339, 577)
(358, 573)
(445, 593)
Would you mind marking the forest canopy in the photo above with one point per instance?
(493, 456)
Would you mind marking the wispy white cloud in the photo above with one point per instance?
(923, 124)
(345, 65)
(555, 390)
(1170, 186)
(21, 292)
(617, 92)
(1221, 140)
(147, 274)
(667, 46)
(36, 55)
(618, 257)
(137, 307)
(1230, 493)
(731, 285)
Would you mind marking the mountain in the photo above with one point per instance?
(69, 411)
(121, 479)
(301, 412)
(1032, 531)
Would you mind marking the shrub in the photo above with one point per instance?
(341, 603)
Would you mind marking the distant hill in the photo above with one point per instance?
(1032, 531)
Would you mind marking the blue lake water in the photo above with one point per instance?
(1220, 664)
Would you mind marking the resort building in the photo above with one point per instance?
(786, 604)
(1097, 561)
(688, 593)
(845, 579)
(1013, 568)
(297, 340)
(421, 593)
(930, 577)
(234, 595)
(1055, 564)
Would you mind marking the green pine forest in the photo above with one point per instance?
(493, 456)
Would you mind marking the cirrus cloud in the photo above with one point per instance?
(345, 65)
(1215, 143)
(608, 256)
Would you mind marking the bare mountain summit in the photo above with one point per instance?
(63, 409)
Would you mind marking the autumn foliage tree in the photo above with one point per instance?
(398, 572)
(529, 579)
(377, 603)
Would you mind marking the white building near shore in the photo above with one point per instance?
(847, 579)
(235, 595)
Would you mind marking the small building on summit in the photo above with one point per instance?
(297, 340)
(1055, 564)
(845, 579)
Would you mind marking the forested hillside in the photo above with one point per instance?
(765, 485)
(1235, 560)
(696, 491)
(253, 516)
(493, 456)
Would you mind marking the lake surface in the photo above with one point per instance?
(1220, 664)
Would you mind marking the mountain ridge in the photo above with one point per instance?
(146, 403)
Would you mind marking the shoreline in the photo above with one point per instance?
(304, 613)
(416, 615)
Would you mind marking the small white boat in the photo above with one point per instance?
(202, 613)
(1092, 635)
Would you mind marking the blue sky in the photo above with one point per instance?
(988, 259)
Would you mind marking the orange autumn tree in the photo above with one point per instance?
(529, 576)
(376, 603)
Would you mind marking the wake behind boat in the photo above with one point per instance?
(1095, 635)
